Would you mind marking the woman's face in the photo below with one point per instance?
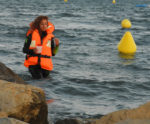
(43, 25)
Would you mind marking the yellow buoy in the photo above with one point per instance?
(65, 0)
(126, 23)
(127, 44)
(114, 1)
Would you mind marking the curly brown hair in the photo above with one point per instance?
(36, 23)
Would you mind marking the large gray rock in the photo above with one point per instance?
(8, 75)
(11, 121)
(23, 102)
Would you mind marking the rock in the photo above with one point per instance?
(140, 113)
(134, 122)
(23, 102)
(75, 121)
(11, 121)
(3, 114)
(69, 121)
(8, 75)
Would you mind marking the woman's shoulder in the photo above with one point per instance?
(50, 23)
(50, 28)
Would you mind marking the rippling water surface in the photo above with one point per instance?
(90, 78)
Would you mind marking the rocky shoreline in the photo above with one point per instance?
(21, 103)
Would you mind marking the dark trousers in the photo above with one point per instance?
(37, 72)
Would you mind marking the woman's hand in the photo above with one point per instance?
(37, 50)
(56, 41)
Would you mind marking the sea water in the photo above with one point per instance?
(90, 78)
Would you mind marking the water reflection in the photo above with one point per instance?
(127, 58)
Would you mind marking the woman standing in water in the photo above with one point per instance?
(40, 45)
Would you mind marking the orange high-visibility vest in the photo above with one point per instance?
(44, 59)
